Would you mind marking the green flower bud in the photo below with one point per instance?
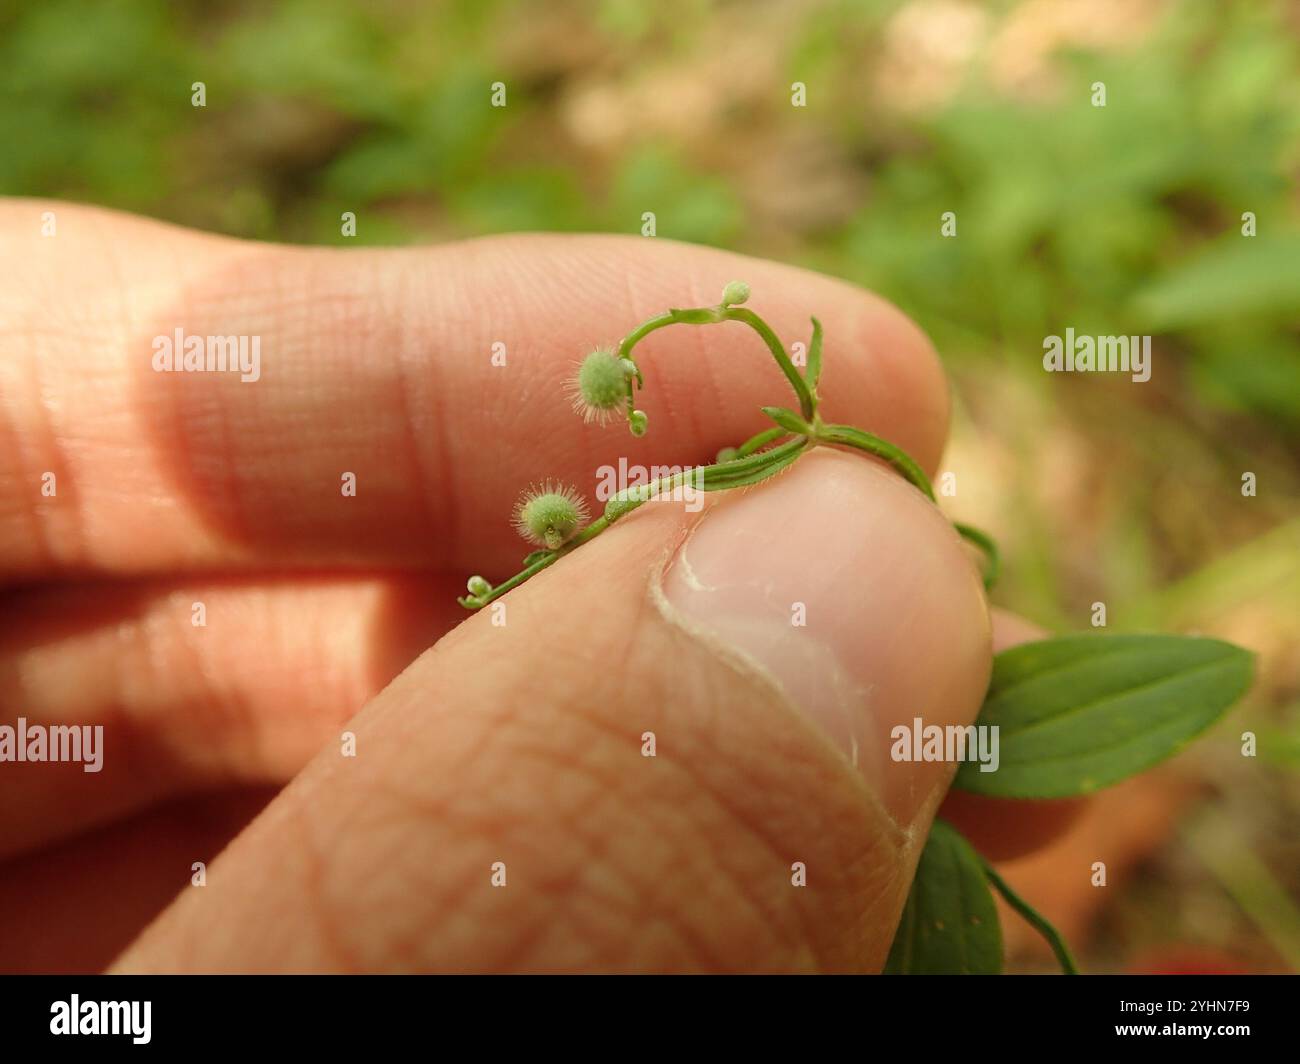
(478, 587)
(735, 292)
(550, 515)
(637, 422)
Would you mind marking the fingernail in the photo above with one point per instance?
(851, 592)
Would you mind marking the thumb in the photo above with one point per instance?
(503, 811)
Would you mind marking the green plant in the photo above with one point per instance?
(606, 382)
(1074, 713)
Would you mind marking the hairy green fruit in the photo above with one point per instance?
(550, 517)
(600, 386)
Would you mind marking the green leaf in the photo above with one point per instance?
(848, 436)
(950, 924)
(813, 372)
(788, 420)
(1079, 713)
(743, 472)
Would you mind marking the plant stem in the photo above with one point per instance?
(1039, 922)
(848, 436)
(473, 602)
(985, 543)
(712, 315)
(717, 477)
(749, 463)
(800, 386)
(759, 441)
(720, 476)
(643, 330)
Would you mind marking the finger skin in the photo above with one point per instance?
(103, 888)
(245, 698)
(522, 744)
(135, 462)
(136, 499)
(74, 906)
(378, 364)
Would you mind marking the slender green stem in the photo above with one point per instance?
(473, 602)
(1035, 919)
(800, 386)
(848, 436)
(711, 315)
(659, 321)
(749, 463)
(985, 543)
(718, 477)
(643, 330)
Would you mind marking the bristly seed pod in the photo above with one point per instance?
(549, 516)
(599, 388)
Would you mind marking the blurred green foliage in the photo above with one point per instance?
(1123, 219)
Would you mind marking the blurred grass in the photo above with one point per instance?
(1117, 220)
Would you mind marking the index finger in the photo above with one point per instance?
(401, 398)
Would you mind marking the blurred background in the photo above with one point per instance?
(1115, 220)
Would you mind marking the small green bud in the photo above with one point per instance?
(550, 515)
(735, 292)
(727, 454)
(599, 387)
(637, 422)
(478, 587)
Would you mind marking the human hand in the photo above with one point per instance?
(521, 742)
